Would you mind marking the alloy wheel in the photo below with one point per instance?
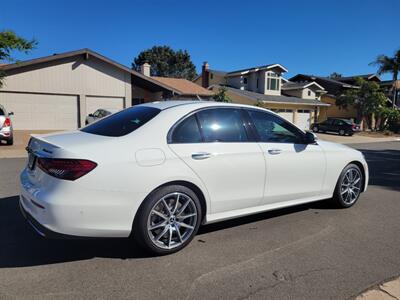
(351, 186)
(172, 220)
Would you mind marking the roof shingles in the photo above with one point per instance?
(185, 87)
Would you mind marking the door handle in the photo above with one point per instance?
(274, 151)
(201, 155)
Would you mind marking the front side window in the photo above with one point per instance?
(187, 132)
(272, 129)
(222, 125)
(123, 122)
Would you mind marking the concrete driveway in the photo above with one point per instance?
(310, 251)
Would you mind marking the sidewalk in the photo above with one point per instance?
(386, 291)
(355, 139)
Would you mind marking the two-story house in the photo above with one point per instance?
(265, 86)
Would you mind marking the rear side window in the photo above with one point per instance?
(187, 132)
(123, 122)
(2, 112)
(222, 125)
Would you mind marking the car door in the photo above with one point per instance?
(215, 144)
(326, 125)
(294, 170)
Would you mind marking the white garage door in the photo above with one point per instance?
(303, 119)
(94, 103)
(287, 114)
(41, 112)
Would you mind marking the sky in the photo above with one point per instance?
(309, 37)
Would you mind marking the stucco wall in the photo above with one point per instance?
(334, 111)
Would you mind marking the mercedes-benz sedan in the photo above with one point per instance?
(156, 172)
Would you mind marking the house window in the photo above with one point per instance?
(273, 81)
(309, 93)
(211, 76)
(257, 83)
(245, 80)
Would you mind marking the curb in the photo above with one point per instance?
(390, 290)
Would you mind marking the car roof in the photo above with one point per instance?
(163, 105)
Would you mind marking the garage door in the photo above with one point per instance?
(94, 103)
(41, 112)
(287, 114)
(303, 119)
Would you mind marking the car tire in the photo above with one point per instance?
(349, 186)
(171, 235)
(315, 129)
(342, 132)
(10, 141)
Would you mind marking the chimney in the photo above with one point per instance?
(145, 69)
(205, 75)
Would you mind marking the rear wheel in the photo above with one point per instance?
(10, 141)
(167, 220)
(315, 129)
(349, 186)
(342, 132)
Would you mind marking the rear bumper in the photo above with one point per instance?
(6, 133)
(69, 211)
(39, 228)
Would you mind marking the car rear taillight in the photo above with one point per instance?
(353, 126)
(7, 122)
(67, 169)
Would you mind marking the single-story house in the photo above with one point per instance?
(265, 86)
(57, 92)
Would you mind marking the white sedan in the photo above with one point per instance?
(157, 171)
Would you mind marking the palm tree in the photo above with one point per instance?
(388, 64)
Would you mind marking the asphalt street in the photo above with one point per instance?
(313, 251)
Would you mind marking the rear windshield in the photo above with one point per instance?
(123, 122)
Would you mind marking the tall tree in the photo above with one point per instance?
(10, 42)
(335, 75)
(391, 65)
(166, 62)
(367, 98)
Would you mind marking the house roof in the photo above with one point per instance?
(184, 87)
(275, 99)
(137, 77)
(351, 79)
(320, 78)
(300, 85)
(255, 69)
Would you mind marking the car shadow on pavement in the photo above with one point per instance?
(384, 167)
(21, 246)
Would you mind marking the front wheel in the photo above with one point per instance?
(315, 129)
(167, 220)
(349, 186)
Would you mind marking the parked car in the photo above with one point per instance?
(99, 114)
(157, 171)
(341, 126)
(6, 129)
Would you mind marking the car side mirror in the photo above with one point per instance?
(310, 138)
(11, 113)
(91, 115)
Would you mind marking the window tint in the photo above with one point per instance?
(123, 122)
(328, 122)
(222, 125)
(187, 132)
(1, 112)
(272, 129)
